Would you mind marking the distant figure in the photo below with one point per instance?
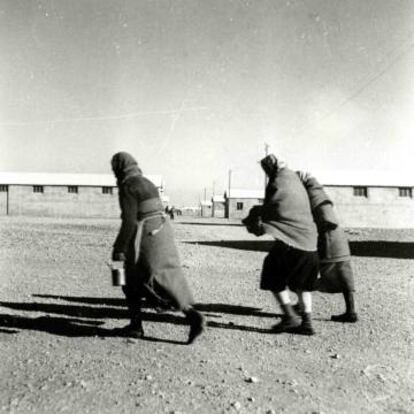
(293, 261)
(333, 249)
(172, 212)
(146, 244)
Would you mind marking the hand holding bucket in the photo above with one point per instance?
(118, 273)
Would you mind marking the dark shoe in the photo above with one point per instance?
(197, 325)
(287, 324)
(130, 331)
(304, 329)
(345, 317)
(298, 309)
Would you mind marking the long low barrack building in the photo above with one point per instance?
(62, 195)
(371, 198)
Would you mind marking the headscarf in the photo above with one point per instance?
(124, 166)
(270, 165)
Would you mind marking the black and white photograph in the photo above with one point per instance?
(206, 206)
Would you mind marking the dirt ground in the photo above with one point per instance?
(58, 309)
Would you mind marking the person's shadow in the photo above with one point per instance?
(363, 248)
(86, 317)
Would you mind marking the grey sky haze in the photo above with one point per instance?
(195, 88)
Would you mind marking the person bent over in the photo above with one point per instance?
(292, 263)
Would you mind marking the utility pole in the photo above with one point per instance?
(205, 194)
(266, 147)
(227, 206)
(228, 195)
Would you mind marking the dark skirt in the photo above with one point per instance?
(288, 267)
(336, 277)
(153, 267)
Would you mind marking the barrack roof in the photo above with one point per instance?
(218, 199)
(92, 180)
(345, 178)
(369, 178)
(240, 193)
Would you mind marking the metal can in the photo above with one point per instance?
(118, 277)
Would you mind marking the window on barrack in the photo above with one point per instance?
(38, 189)
(106, 190)
(4, 188)
(73, 189)
(405, 192)
(360, 191)
(239, 206)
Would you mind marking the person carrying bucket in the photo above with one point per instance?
(146, 245)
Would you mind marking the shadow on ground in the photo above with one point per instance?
(86, 321)
(385, 249)
(196, 223)
(85, 299)
(389, 249)
(120, 302)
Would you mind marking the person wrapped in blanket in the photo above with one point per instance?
(333, 249)
(146, 244)
(292, 263)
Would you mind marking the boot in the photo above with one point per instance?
(350, 314)
(298, 309)
(197, 324)
(290, 320)
(133, 330)
(306, 326)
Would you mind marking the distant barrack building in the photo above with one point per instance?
(206, 208)
(361, 198)
(218, 205)
(238, 202)
(62, 195)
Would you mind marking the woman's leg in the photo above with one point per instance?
(134, 303)
(197, 323)
(299, 306)
(290, 318)
(305, 298)
(349, 302)
(350, 314)
(346, 276)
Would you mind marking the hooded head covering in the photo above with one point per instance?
(124, 165)
(269, 165)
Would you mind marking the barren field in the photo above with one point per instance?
(58, 310)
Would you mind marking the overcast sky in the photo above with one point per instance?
(195, 88)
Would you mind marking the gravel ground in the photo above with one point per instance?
(58, 309)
